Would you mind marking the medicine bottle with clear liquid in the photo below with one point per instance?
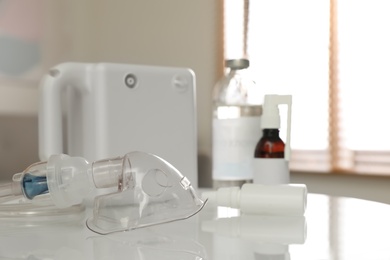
(236, 125)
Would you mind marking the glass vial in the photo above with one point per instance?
(236, 125)
(270, 145)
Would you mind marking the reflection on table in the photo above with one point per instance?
(332, 228)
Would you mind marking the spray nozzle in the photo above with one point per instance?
(138, 189)
(270, 118)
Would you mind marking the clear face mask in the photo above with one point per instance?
(134, 191)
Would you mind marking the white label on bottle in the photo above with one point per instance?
(270, 171)
(234, 142)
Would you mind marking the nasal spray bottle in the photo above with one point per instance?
(272, 155)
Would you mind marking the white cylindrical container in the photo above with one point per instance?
(289, 199)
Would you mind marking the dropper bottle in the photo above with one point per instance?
(272, 155)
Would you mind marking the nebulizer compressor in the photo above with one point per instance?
(136, 190)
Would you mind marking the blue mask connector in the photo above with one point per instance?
(34, 185)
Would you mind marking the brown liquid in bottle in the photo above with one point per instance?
(270, 145)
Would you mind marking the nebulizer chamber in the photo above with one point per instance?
(136, 190)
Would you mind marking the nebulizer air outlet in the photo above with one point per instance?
(136, 190)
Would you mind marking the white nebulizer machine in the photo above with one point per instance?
(137, 190)
(111, 109)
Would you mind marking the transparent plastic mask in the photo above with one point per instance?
(150, 191)
(136, 190)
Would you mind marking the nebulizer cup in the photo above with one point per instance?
(136, 190)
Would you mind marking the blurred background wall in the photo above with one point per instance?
(167, 33)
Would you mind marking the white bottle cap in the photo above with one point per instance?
(224, 197)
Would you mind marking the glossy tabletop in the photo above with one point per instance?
(332, 228)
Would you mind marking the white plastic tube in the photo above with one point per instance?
(289, 199)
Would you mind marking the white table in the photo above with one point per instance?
(336, 228)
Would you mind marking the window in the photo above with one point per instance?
(334, 58)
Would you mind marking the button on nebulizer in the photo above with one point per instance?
(133, 191)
